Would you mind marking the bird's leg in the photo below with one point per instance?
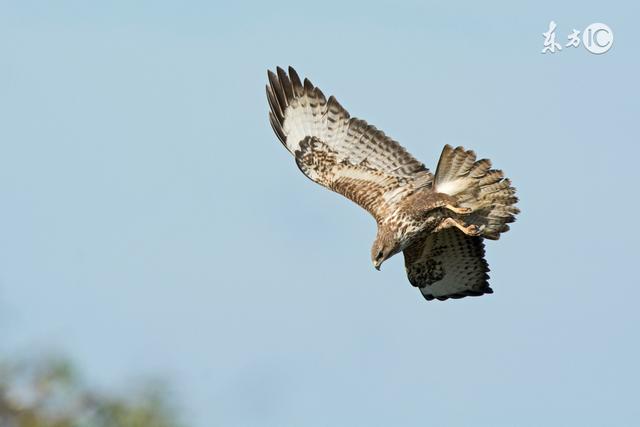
(457, 210)
(469, 230)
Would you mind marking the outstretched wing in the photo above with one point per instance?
(342, 153)
(448, 264)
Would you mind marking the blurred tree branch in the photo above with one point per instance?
(49, 393)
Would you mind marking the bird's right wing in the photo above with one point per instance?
(448, 264)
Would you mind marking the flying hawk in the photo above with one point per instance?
(438, 221)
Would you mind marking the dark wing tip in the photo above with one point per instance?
(296, 82)
(271, 76)
(280, 92)
(277, 128)
(286, 85)
(274, 105)
(282, 89)
(308, 86)
(276, 87)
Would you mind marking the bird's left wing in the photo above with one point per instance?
(448, 264)
(340, 152)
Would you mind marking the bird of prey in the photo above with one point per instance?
(439, 221)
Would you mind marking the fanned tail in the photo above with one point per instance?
(475, 185)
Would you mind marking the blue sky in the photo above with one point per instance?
(151, 224)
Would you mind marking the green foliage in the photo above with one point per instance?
(49, 393)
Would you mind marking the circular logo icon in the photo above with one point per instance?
(597, 38)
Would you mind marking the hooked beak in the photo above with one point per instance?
(377, 265)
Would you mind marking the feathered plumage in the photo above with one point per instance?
(438, 221)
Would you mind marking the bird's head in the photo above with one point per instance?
(384, 247)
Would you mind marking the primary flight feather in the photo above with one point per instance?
(438, 221)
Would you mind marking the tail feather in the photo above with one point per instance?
(480, 168)
(491, 177)
(475, 185)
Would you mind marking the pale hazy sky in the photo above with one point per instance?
(151, 224)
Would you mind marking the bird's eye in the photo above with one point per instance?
(379, 255)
